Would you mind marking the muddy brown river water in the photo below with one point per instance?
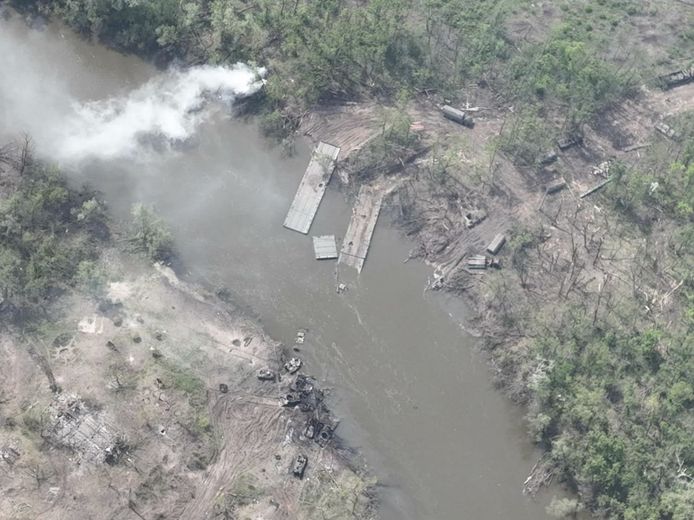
(415, 397)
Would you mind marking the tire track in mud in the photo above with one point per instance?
(248, 429)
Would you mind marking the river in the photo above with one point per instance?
(414, 395)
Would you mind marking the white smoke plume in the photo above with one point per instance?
(47, 76)
(166, 109)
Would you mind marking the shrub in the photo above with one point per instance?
(149, 235)
(48, 231)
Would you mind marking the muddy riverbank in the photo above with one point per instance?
(156, 410)
(414, 395)
(565, 276)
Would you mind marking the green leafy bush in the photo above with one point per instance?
(567, 70)
(46, 236)
(149, 235)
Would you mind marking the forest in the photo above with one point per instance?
(332, 49)
(609, 387)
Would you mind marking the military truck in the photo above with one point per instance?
(457, 116)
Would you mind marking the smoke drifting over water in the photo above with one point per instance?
(45, 79)
(168, 108)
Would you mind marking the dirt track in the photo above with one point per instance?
(193, 451)
(577, 251)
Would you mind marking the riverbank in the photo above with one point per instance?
(592, 283)
(230, 187)
(128, 391)
(590, 327)
(157, 409)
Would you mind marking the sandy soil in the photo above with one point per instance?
(347, 126)
(140, 427)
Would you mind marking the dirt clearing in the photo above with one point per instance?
(157, 412)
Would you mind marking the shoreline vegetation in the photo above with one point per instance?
(590, 321)
(115, 366)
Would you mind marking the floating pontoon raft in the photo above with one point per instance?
(312, 188)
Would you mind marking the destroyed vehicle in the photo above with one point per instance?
(302, 384)
(548, 158)
(439, 283)
(113, 454)
(555, 186)
(292, 365)
(457, 116)
(310, 397)
(308, 404)
(300, 337)
(291, 399)
(602, 169)
(667, 131)
(313, 429)
(324, 436)
(566, 142)
(10, 455)
(481, 262)
(299, 466)
(472, 218)
(265, 374)
(310, 431)
(676, 78)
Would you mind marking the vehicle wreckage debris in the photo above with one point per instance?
(569, 141)
(676, 78)
(265, 374)
(300, 337)
(555, 186)
(299, 466)
(293, 365)
(549, 158)
(304, 395)
(474, 217)
(481, 262)
(9, 455)
(667, 131)
(291, 399)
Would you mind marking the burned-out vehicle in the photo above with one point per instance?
(265, 374)
(292, 365)
(291, 399)
(569, 141)
(299, 466)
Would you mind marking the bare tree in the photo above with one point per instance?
(603, 285)
(25, 153)
(7, 153)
